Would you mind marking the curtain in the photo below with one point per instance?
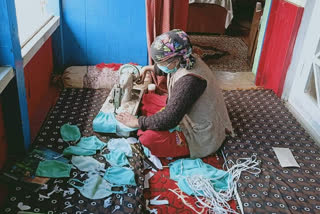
(163, 16)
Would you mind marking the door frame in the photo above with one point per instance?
(305, 42)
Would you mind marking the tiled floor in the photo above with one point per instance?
(236, 80)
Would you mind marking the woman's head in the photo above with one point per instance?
(171, 49)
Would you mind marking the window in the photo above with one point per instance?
(32, 15)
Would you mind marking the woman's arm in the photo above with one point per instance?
(184, 94)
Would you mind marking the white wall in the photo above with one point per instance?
(300, 3)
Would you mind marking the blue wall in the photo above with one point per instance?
(96, 31)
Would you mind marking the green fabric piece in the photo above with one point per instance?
(53, 169)
(183, 168)
(70, 132)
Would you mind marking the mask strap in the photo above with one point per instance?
(70, 181)
(125, 189)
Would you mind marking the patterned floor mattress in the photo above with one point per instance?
(78, 107)
(262, 121)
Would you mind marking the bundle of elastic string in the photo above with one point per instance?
(217, 201)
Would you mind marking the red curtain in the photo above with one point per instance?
(165, 15)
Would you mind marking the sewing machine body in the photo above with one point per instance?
(125, 96)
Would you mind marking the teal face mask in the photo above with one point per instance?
(75, 150)
(91, 143)
(167, 70)
(183, 168)
(86, 146)
(116, 158)
(120, 176)
(95, 187)
(87, 164)
(120, 144)
(53, 169)
(107, 123)
(70, 132)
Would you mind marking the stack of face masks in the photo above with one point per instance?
(86, 146)
(182, 169)
(107, 123)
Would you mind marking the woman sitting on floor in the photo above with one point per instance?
(195, 103)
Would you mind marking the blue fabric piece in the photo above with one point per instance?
(116, 158)
(53, 169)
(70, 132)
(107, 123)
(146, 151)
(91, 143)
(120, 144)
(182, 168)
(120, 176)
(95, 187)
(177, 128)
(167, 70)
(87, 164)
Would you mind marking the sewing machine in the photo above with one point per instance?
(126, 95)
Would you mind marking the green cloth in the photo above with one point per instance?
(53, 169)
(70, 132)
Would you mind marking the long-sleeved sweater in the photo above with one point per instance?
(184, 94)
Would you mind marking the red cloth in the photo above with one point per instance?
(163, 16)
(160, 184)
(161, 143)
(113, 66)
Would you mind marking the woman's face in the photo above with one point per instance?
(170, 65)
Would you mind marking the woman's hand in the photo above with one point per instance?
(127, 119)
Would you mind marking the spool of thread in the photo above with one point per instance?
(151, 88)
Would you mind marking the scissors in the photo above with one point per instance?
(143, 156)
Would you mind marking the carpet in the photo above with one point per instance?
(261, 121)
(78, 107)
(221, 53)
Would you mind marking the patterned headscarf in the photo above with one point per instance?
(172, 45)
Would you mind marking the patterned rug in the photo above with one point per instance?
(261, 121)
(78, 107)
(222, 53)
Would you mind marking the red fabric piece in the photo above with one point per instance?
(282, 30)
(160, 184)
(161, 143)
(113, 66)
(152, 103)
(163, 16)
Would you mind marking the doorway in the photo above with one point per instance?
(304, 96)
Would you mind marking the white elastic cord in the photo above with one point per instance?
(185, 202)
(217, 202)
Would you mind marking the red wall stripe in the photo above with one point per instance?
(283, 26)
(41, 94)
